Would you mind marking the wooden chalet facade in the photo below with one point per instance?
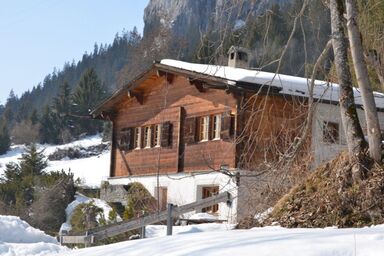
(179, 128)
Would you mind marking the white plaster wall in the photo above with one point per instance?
(327, 112)
(184, 188)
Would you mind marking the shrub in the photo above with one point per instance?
(86, 216)
(139, 201)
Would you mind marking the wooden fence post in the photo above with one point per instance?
(142, 232)
(169, 219)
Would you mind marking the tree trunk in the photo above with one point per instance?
(353, 132)
(370, 111)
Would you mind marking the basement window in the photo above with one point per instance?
(208, 192)
(331, 132)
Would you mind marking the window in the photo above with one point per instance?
(216, 127)
(208, 192)
(330, 132)
(157, 135)
(204, 128)
(138, 137)
(147, 136)
(232, 55)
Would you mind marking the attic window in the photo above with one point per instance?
(331, 132)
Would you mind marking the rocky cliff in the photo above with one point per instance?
(187, 20)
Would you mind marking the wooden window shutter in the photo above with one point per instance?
(142, 131)
(166, 134)
(227, 126)
(190, 130)
(130, 138)
(126, 139)
(211, 128)
(197, 133)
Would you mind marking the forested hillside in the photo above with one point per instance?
(198, 31)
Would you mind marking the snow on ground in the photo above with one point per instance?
(80, 199)
(269, 241)
(91, 170)
(18, 238)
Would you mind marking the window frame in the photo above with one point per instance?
(157, 135)
(216, 127)
(331, 135)
(204, 128)
(137, 142)
(147, 142)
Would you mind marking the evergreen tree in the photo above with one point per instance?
(49, 130)
(32, 161)
(34, 117)
(62, 102)
(5, 140)
(88, 93)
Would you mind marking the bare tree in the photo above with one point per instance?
(372, 120)
(354, 134)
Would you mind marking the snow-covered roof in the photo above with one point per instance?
(290, 85)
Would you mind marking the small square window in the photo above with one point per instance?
(331, 132)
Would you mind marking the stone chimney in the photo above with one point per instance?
(239, 57)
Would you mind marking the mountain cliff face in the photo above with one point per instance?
(187, 20)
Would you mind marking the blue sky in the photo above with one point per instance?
(38, 35)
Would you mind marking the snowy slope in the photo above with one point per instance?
(270, 241)
(91, 170)
(18, 238)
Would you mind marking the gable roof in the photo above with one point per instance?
(225, 77)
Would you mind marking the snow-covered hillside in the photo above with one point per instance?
(18, 238)
(91, 170)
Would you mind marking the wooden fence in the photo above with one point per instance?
(111, 230)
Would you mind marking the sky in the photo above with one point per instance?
(38, 35)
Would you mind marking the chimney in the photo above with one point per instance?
(239, 57)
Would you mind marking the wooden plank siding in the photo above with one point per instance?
(269, 125)
(171, 100)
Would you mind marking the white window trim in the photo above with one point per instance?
(147, 137)
(205, 132)
(158, 138)
(138, 137)
(217, 130)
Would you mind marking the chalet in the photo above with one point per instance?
(187, 131)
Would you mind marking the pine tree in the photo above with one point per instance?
(5, 140)
(49, 129)
(32, 161)
(88, 93)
